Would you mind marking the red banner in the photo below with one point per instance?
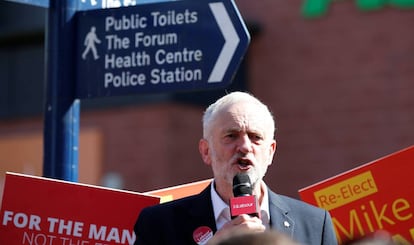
(42, 211)
(376, 196)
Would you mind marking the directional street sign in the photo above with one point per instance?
(158, 47)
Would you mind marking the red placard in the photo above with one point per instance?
(42, 211)
(376, 196)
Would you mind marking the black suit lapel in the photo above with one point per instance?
(198, 213)
(201, 210)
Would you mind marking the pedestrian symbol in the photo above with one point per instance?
(89, 42)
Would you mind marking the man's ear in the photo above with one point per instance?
(204, 150)
(272, 151)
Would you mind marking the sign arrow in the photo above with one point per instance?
(231, 41)
(158, 47)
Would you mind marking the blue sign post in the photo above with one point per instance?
(153, 47)
(62, 109)
(159, 47)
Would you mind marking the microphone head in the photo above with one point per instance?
(242, 185)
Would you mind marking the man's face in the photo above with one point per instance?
(240, 141)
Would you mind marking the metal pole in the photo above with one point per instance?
(62, 109)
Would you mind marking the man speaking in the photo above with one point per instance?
(238, 138)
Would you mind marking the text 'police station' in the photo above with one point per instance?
(145, 49)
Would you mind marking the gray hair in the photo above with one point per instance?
(229, 99)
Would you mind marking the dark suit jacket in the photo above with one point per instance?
(174, 222)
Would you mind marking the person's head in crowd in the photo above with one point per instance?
(377, 238)
(268, 237)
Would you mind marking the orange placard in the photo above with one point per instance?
(180, 191)
(40, 211)
(376, 196)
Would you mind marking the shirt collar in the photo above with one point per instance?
(219, 206)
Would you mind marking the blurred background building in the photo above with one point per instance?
(339, 79)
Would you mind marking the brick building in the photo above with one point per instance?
(340, 86)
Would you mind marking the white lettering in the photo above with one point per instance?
(115, 42)
(176, 75)
(38, 239)
(173, 18)
(22, 220)
(52, 222)
(155, 40)
(185, 55)
(114, 235)
(68, 227)
(243, 205)
(125, 23)
(125, 79)
(95, 234)
(7, 217)
(135, 59)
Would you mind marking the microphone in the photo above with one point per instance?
(243, 202)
